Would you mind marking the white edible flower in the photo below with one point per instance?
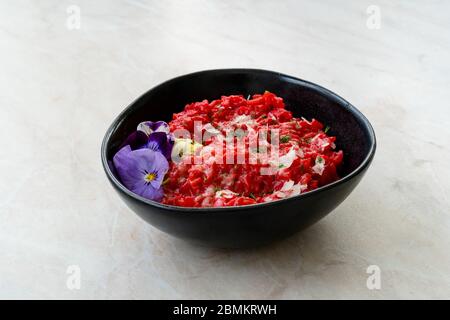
(184, 147)
(319, 166)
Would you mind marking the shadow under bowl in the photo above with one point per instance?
(252, 225)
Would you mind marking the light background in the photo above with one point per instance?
(61, 88)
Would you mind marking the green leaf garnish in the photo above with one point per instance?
(285, 139)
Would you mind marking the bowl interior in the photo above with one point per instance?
(354, 134)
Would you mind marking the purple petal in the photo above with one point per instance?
(123, 152)
(157, 141)
(149, 193)
(148, 127)
(132, 167)
(169, 146)
(135, 140)
(162, 142)
(113, 168)
(161, 126)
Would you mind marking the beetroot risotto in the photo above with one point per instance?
(228, 152)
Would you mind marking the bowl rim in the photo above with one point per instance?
(344, 103)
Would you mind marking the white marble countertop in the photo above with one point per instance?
(63, 85)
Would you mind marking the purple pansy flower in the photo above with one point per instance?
(152, 135)
(159, 137)
(142, 171)
(142, 159)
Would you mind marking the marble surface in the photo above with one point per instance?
(62, 86)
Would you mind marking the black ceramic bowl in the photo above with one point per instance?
(252, 225)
